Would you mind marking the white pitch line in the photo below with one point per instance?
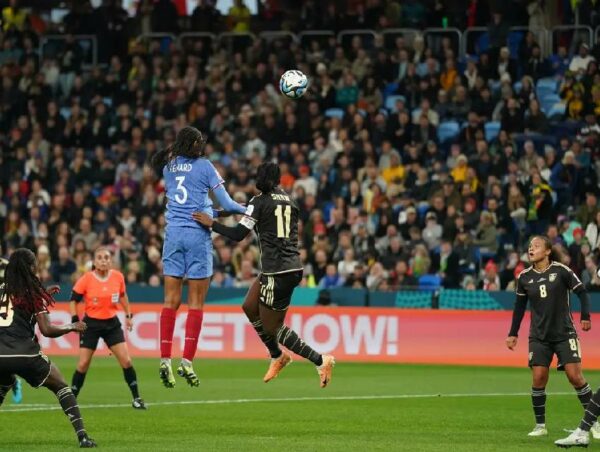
(52, 407)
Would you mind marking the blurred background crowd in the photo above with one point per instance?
(412, 164)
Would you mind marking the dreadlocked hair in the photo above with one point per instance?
(189, 143)
(268, 176)
(22, 287)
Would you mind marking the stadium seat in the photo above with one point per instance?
(334, 113)
(482, 44)
(548, 101)
(448, 130)
(390, 102)
(557, 110)
(492, 129)
(517, 87)
(514, 41)
(545, 86)
(390, 89)
(430, 282)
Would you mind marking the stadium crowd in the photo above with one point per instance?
(386, 198)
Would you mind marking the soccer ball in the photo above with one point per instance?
(293, 84)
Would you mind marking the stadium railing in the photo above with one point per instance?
(50, 45)
(405, 297)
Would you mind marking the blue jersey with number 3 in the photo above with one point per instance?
(188, 182)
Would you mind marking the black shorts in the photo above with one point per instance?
(33, 369)
(276, 290)
(567, 352)
(108, 330)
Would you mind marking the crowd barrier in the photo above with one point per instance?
(350, 333)
(346, 296)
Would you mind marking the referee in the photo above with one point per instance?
(101, 290)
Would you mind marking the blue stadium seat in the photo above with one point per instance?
(448, 130)
(557, 110)
(517, 87)
(430, 282)
(514, 41)
(390, 89)
(482, 44)
(548, 101)
(390, 102)
(546, 85)
(492, 129)
(421, 69)
(334, 113)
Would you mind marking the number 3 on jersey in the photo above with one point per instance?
(6, 314)
(283, 230)
(543, 292)
(181, 199)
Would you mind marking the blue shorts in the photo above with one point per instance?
(187, 252)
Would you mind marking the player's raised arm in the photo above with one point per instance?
(518, 314)
(216, 184)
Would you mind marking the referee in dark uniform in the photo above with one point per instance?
(547, 285)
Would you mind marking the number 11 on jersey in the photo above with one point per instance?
(283, 229)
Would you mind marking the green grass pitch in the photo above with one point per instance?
(367, 407)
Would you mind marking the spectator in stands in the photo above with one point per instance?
(535, 119)
(579, 63)
(589, 276)
(491, 280)
(62, 270)
(486, 234)
(332, 278)
(446, 264)
(588, 211)
(357, 278)
(432, 233)
(377, 277)
(592, 233)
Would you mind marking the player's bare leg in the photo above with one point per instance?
(168, 315)
(197, 290)
(85, 359)
(57, 384)
(538, 399)
(279, 358)
(273, 325)
(121, 352)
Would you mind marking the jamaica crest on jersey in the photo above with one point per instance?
(552, 277)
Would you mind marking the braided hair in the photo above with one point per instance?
(22, 286)
(268, 176)
(189, 143)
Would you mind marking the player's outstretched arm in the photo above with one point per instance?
(50, 330)
(228, 204)
(236, 233)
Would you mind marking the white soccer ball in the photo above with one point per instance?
(293, 84)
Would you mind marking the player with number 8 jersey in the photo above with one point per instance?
(547, 285)
(187, 251)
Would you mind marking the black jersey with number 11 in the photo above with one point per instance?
(274, 217)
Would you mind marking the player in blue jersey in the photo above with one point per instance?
(187, 251)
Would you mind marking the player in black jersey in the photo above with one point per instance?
(274, 217)
(23, 303)
(547, 285)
